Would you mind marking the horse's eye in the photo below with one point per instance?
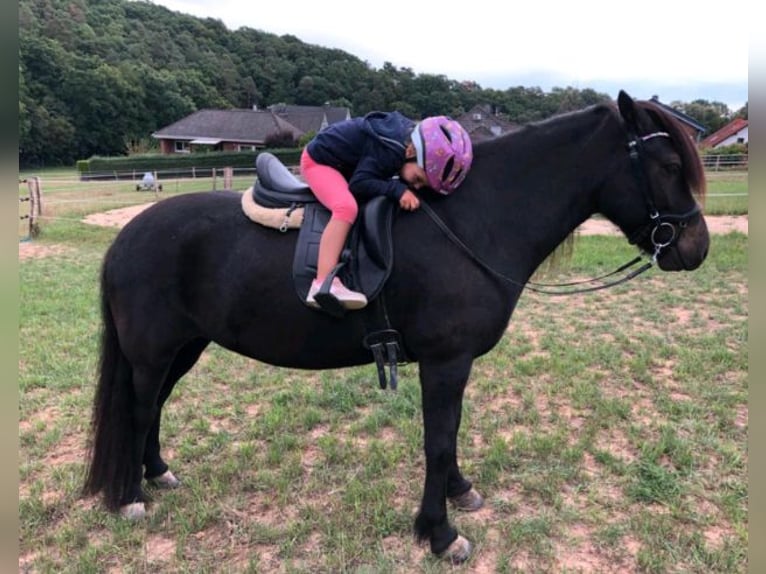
(672, 169)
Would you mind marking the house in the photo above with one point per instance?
(482, 123)
(735, 132)
(690, 125)
(243, 129)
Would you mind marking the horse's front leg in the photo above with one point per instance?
(442, 385)
(460, 491)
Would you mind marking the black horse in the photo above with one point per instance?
(193, 269)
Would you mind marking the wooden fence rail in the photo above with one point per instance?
(725, 162)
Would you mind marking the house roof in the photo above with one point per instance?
(679, 115)
(730, 129)
(482, 124)
(310, 118)
(251, 126)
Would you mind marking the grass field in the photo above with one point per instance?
(606, 431)
(727, 193)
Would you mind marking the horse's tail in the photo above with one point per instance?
(110, 457)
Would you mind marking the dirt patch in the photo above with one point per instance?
(159, 549)
(116, 217)
(718, 224)
(29, 249)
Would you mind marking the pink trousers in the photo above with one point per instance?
(330, 188)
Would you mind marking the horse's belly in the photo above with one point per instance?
(293, 345)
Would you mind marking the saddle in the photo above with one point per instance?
(368, 255)
(365, 262)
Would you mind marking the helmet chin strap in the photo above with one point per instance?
(410, 153)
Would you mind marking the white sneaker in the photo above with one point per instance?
(351, 300)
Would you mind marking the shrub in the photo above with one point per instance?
(281, 139)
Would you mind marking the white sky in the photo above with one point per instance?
(698, 53)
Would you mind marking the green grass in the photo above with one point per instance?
(727, 193)
(606, 432)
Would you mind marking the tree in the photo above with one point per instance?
(49, 139)
(25, 121)
(712, 115)
(281, 139)
(104, 107)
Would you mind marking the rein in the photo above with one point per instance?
(658, 225)
(537, 287)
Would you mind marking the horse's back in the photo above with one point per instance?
(188, 225)
(189, 212)
(195, 266)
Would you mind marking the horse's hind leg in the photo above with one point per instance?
(151, 387)
(147, 383)
(156, 470)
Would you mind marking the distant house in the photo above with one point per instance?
(735, 132)
(241, 129)
(482, 123)
(690, 125)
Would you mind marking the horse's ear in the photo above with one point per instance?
(627, 108)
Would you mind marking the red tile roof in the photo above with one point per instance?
(726, 131)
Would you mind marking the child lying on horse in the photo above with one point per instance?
(360, 157)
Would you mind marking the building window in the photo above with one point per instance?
(245, 147)
(740, 140)
(182, 147)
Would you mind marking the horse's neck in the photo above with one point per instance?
(533, 188)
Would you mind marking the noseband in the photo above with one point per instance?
(663, 228)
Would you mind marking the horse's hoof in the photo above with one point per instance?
(133, 511)
(166, 480)
(457, 552)
(470, 501)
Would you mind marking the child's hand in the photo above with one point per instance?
(409, 201)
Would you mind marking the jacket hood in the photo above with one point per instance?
(392, 128)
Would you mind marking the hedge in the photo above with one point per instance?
(170, 165)
(732, 149)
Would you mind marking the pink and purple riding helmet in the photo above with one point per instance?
(444, 151)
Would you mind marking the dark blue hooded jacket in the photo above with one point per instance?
(368, 151)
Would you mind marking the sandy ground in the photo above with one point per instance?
(119, 217)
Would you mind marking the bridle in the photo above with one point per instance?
(659, 225)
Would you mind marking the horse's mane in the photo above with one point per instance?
(694, 172)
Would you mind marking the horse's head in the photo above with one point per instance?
(661, 183)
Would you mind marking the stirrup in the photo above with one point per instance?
(328, 302)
